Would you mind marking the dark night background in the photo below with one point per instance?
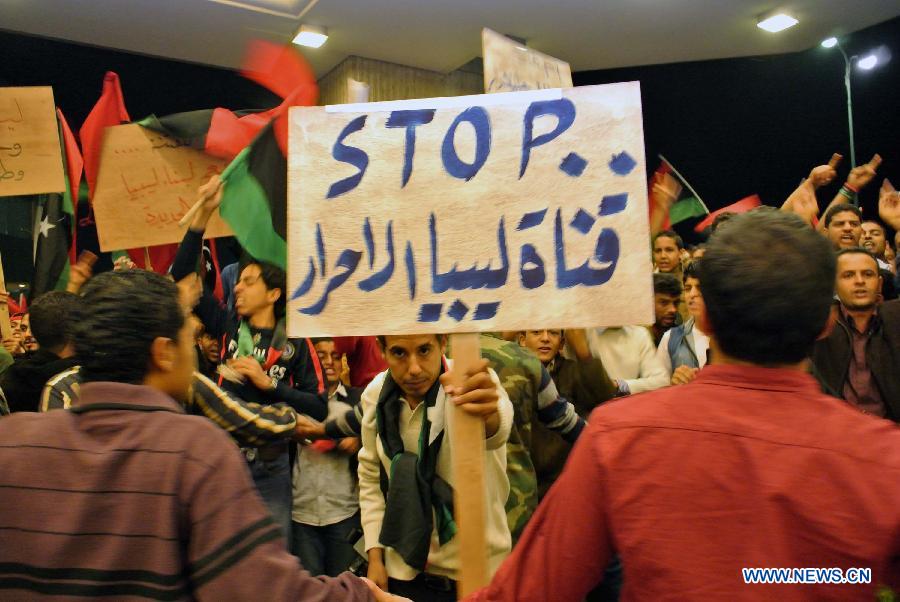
(732, 127)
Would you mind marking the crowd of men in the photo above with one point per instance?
(162, 443)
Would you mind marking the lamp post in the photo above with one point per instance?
(848, 61)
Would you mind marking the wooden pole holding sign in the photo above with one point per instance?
(467, 443)
(5, 326)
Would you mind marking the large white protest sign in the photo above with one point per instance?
(477, 213)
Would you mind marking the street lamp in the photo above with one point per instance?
(868, 62)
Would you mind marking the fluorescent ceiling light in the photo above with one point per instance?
(311, 36)
(829, 42)
(868, 62)
(777, 23)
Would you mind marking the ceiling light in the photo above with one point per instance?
(868, 62)
(312, 36)
(829, 42)
(777, 23)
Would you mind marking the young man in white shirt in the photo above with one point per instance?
(405, 478)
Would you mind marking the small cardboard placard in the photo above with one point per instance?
(512, 67)
(147, 182)
(30, 157)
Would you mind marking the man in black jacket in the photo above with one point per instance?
(260, 363)
(859, 359)
(52, 315)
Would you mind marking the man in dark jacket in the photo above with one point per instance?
(859, 359)
(52, 316)
(260, 364)
(583, 381)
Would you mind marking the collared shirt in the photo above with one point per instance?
(860, 388)
(124, 496)
(325, 490)
(745, 467)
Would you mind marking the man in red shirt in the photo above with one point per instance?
(749, 466)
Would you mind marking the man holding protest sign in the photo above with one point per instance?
(390, 203)
(405, 478)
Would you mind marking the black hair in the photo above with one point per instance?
(273, 277)
(52, 318)
(877, 223)
(317, 340)
(666, 284)
(768, 281)
(847, 251)
(382, 339)
(121, 314)
(670, 234)
(691, 270)
(841, 208)
(720, 219)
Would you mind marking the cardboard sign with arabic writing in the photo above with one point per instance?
(147, 182)
(30, 157)
(476, 213)
(512, 67)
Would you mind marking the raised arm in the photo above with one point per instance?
(858, 178)
(803, 200)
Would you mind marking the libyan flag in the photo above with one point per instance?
(254, 195)
(685, 209)
(254, 199)
(686, 205)
(54, 234)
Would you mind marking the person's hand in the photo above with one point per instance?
(889, 204)
(124, 263)
(683, 375)
(210, 197)
(476, 396)
(250, 369)
(825, 174)
(307, 428)
(189, 291)
(861, 175)
(478, 393)
(349, 445)
(377, 572)
(13, 345)
(81, 271)
(211, 193)
(381, 595)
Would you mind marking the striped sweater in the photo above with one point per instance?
(124, 496)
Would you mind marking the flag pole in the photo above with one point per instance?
(680, 177)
